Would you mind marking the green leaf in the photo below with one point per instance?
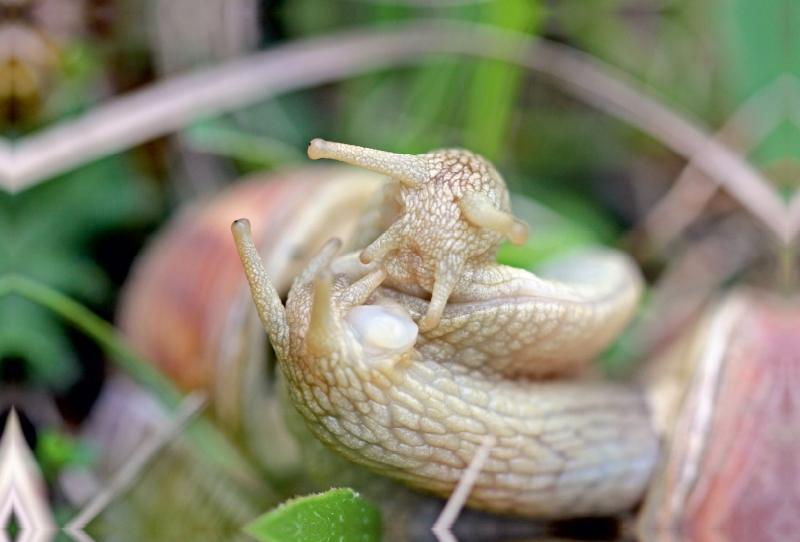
(338, 515)
(761, 46)
(56, 449)
(47, 234)
(493, 93)
(31, 332)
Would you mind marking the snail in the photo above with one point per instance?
(187, 306)
(209, 323)
(404, 357)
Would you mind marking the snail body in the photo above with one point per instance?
(187, 307)
(366, 381)
(403, 358)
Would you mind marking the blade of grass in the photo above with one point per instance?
(494, 90)
(170, 104)
(187, 410)
(204, 433)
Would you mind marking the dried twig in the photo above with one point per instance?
(126, 476)
(692, 190)
(444, 523)
(168, 105)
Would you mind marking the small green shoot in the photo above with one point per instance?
(338, 515)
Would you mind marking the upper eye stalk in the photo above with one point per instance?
(454, 212)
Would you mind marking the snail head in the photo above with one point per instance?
(454, 211)
(333, 323)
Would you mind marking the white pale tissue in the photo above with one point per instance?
(384, 329)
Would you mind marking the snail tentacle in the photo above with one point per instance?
(408, 169)
(389, 240)
(357, 293)
(480, 211)
(268, 303)
(321, 338)
(320, 260)
(448, 273)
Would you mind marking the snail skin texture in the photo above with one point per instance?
(404, 357)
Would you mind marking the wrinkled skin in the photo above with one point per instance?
(404, 358)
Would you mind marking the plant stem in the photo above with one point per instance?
(102, 332)
(203, 433)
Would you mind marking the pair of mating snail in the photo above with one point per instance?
(505, 359)
(403, 358)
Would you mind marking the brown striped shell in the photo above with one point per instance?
(728, 405)
(187, 306)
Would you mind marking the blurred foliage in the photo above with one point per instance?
(551, 234)
(81, 64)
(336, 515)
(759, 43)
(46, 234)
(593, 175)
(251, 150)
(704, 58)
(58, 70)
(759, 54)
(446, 102)
(56, 450)
(667, 44)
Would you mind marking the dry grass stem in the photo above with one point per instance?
(189, 408)
(444, 523)
(693, 189)
(169, 105)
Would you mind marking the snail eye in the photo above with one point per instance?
(383, 330)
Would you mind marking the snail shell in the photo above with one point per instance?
(727, 402)
(187, 307)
